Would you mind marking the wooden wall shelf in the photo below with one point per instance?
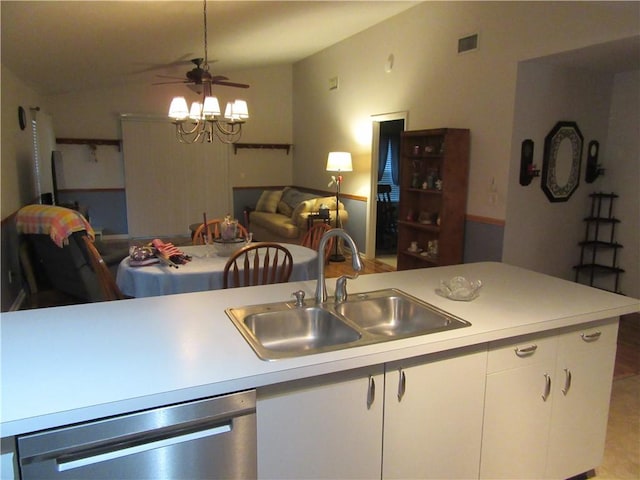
(271, 146)
(89, 141)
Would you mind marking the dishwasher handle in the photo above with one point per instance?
(119, 450)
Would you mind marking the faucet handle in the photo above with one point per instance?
(299, 294)
(341, 287)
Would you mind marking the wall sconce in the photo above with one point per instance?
(527, 168)
(593, 170)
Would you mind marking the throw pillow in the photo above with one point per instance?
(302, 207)
(293, 197)
(268, 201)
(284, 208)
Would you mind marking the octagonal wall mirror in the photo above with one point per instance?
(561, 161)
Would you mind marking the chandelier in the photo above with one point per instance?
(203, 120)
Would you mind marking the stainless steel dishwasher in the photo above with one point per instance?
(204, 439)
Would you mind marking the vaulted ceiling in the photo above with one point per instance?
(65, 46)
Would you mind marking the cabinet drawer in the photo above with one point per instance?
(586, 339)
(523, 352)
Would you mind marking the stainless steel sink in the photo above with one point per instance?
(395, 314)
(292, 331)
(283, 330)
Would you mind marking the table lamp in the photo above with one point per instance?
(338, 162)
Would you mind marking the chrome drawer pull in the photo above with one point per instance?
(526, 351)
(402, 384)
(591, 337)
(547, 387)
(567, 381)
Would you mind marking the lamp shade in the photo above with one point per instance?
(179, 108)
(339, 162)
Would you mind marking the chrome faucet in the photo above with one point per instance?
(341, 283)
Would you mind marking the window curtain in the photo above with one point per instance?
(383, 151)
(170, 184)
(395, 159)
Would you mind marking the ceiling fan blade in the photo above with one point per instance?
(170, 76)
(168, 83)
(231, 84)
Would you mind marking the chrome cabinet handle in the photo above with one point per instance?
(371, 393)
(526, 351)
(402, 384)
(547, 387)
(591, 337)
(567, 381)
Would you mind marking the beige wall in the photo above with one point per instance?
(270, 109)
(439, 87)
(18, 187)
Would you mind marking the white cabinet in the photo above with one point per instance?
(433, 416)
(332, 426)
(546, 403)
(323, 427)
(584, 371)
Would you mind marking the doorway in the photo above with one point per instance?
(383, 206)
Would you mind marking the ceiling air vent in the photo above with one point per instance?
(468, 43)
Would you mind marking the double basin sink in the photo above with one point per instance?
(284, 330)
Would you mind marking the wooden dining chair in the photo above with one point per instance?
(108, 286)
(260, 263)
(313, 236)
(214, 231)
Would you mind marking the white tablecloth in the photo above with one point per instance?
(201, 273)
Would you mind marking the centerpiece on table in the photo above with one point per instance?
(229, 241)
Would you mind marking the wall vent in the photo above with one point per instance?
(468, 43)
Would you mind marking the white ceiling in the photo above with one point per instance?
(63, 46)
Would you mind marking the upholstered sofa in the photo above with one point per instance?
(281, 215)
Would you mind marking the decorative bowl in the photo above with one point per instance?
(226, 248)
(459, 288)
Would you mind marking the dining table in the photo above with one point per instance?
(203, 272)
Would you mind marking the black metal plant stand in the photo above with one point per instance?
(600, 242)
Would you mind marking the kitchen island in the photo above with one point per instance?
(66, 365)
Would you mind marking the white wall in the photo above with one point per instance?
(539, 234)
(439, 87)
(621, 161)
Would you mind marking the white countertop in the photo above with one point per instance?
(69, 364)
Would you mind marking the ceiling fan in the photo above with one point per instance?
(204, 119)
(200, 75)
(199, 78)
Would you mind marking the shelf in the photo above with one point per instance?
(602, 219)
(262, 146)
(422, 258)
(430, 191)
(88, 141)
(600, 244)
(598, 268)
(426, 156)
(603, 195)
(427, 227)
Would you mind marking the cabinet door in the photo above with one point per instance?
(324, 427)
(518, 410)
(581, 400)
(433, 416)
